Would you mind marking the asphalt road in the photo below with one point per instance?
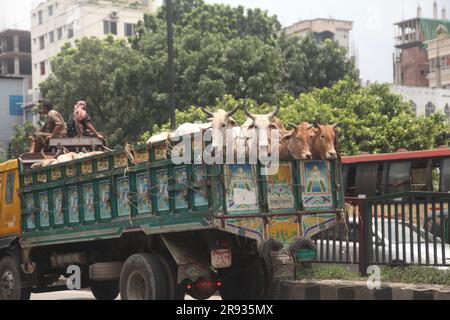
(80, 295)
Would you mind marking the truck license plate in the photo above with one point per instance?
(221, 258)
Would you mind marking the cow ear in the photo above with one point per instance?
(232, 122)
(288, 135)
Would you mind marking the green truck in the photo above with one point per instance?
(136, 224)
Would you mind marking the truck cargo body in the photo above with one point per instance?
(199, 223)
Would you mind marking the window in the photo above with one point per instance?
(51, 35)
(40, 17)
(447, 111)
(109, 27)
(430, 108)
(9, 188)
(130, 29)
(445, 176)
(399, 177)
(413, 106)
(70, 31)
(15, 105)
(41, 43)
(50, 10)
(366, 181)
(42, 68)
(59, 31)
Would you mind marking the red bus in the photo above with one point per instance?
(382, 174)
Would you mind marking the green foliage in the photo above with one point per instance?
(327, 273)
(219, 50)
(20, 142)
(416, 275)
(410, 274)
(309, 65)
(368, 117)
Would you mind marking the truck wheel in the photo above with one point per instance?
(10, 281)
(105, 290)
(243, 281)
(174, 290)
(143, 278)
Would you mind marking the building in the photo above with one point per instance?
(322, 29)
(15, 53)
(426, 101)
(55, 22)
(439, 57)
(411, 64)
(13, 90)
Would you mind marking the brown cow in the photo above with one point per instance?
(323, 142)
(297, 142)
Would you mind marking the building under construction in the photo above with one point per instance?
(411, 62)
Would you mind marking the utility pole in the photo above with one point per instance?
(169, 11)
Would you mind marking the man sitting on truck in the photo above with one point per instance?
(80, 125)
(54, 127)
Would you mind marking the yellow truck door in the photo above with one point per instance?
(9, 199)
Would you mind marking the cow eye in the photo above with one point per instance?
(322, 136)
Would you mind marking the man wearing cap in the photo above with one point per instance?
(54, 127)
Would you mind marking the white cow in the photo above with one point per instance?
(260, 130)
(222, 125)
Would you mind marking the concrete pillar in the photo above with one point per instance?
(419, 12)
(16, 43)
(16, 65)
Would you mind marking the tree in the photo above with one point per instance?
(20, 142)
(309, 65)
(219, 50)
(109, 76)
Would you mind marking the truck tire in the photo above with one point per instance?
(105, 290)
(174, 290)
(10, 280)
(244, 281)
(143, 278)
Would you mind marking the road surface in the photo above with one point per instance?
(80, 295)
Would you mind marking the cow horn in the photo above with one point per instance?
(335, 125)
(294, 126)
(277, 110)
(233, 111)
(248, 112)
(317, 124)
(311, 126)
(209, 113)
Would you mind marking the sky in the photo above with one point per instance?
(372, 35)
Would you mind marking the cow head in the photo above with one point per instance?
(323, 141)
(221, 121)
(298, 141)
(262, 123)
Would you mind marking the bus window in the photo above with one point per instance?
(419, 176)
(399, 177)
(348, 177)
(445, 176)
(366, 181)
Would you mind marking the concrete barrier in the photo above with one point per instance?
(358, 290)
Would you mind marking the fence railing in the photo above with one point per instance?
(410, 228)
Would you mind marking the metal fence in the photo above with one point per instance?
(410, 228)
